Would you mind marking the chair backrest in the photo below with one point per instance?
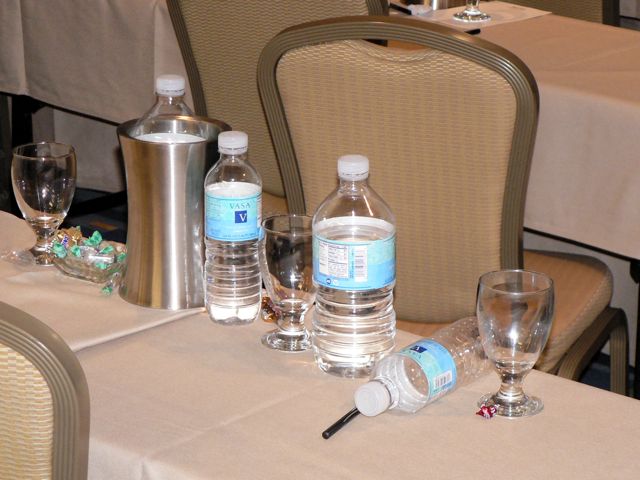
(448, 128)
(599, 11)
(44, 402)
(221, 41)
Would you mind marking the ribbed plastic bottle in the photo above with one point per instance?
(233, 210)
(170, 90)
(424, 371)
(354, 237)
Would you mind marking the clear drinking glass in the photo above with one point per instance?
(515, 310)
(43, 176)
(287, 271)
(472, 13)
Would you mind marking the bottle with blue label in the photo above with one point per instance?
(233, 211)
(424, 371)
(354, 269)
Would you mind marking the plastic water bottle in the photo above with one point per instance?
(233, 210)
(425, 370)
(170, 90)
(354, 236)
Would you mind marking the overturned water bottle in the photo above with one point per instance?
(354, 237)
(424, 371)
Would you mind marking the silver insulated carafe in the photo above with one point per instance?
(165, 188)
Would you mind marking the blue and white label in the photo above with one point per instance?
(437, 364)
(344, 259)
(232, 211)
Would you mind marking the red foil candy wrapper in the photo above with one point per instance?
(487, 411)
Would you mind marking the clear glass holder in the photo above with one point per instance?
(472, 13)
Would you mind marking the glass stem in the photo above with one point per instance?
(472, 5)
(511, 390)
(291, 322)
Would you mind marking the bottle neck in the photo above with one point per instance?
(353, 186)
(169, 100)
(231, 157)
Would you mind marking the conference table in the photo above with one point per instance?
(180, 397)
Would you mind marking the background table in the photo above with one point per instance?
(95, 58)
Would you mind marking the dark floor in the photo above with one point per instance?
(112, 224)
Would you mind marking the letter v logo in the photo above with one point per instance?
(241, 216)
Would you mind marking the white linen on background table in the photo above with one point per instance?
(585, 171)
(75, 309)
(500, 13)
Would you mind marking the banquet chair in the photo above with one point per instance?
(44, 402)
(220, 42)
(599, 11)
(449, 130)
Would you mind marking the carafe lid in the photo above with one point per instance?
(353, 167)
(233, 142)
(170, 85)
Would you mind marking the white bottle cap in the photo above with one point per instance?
(372, 399)
(233, 142)
(353, 167)
(170, 85)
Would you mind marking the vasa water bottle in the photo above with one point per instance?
(425, 370)
(354, 269)
(170, 90)
(233, 209)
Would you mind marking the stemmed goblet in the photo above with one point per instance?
(515, 311)
(472, 13)
(287, 271)
(43, 176)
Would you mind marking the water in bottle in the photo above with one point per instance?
(354, 269)
(424, 371)
(170, 90)
(233, 210)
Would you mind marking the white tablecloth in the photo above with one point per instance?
(90, 57)
(94, 57)
(74, 308)
(194, 400)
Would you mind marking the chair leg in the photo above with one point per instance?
(619, 350)
(611, 325)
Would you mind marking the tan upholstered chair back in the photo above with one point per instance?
(44, 403)
(599, 11)
(220, 42)
(448, 130)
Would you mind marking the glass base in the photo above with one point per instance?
(525, 407)
(471, 16)
(27, 258)
(287, 342)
